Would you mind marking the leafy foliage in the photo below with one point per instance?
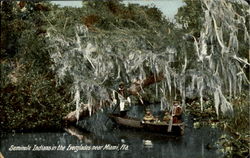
(28, 85)
(28, 91)
(190, 16)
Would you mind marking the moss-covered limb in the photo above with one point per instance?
(72, 118)
(134, 89)
(137, 86)
(30, 97)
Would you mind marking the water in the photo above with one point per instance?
(140, 144)
(91, 62)
(192, 144)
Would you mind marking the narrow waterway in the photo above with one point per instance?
(113, 142)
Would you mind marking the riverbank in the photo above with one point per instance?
(236, 140)
(24, 112)
(191, 144)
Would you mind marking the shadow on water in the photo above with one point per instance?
(193, 144)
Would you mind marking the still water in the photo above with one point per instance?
(111, 142)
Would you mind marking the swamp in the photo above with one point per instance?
(65, 69)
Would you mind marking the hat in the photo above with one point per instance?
(121, 84)
(176, 102)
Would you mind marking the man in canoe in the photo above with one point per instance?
(148, 117)
(121, 89)
(177, 112)
(166, 117)
(123, 101)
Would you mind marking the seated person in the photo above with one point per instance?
(177, 113)
(148, 116)
(166, 117)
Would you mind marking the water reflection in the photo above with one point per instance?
(147, 143)
(137, 143)
(140, 144)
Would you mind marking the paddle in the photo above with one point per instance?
(171, 120)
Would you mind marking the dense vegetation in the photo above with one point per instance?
(31, 97)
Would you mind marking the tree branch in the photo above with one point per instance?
(134, 89)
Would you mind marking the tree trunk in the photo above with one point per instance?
(137, 86)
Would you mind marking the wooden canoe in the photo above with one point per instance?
(159, 127)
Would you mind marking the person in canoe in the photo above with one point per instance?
(124, 101)
(177, 112)
(121, 89)
(166, 117)
(148, 117)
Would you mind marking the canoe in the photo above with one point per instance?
(157, 127)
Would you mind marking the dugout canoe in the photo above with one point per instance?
(157, 127)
